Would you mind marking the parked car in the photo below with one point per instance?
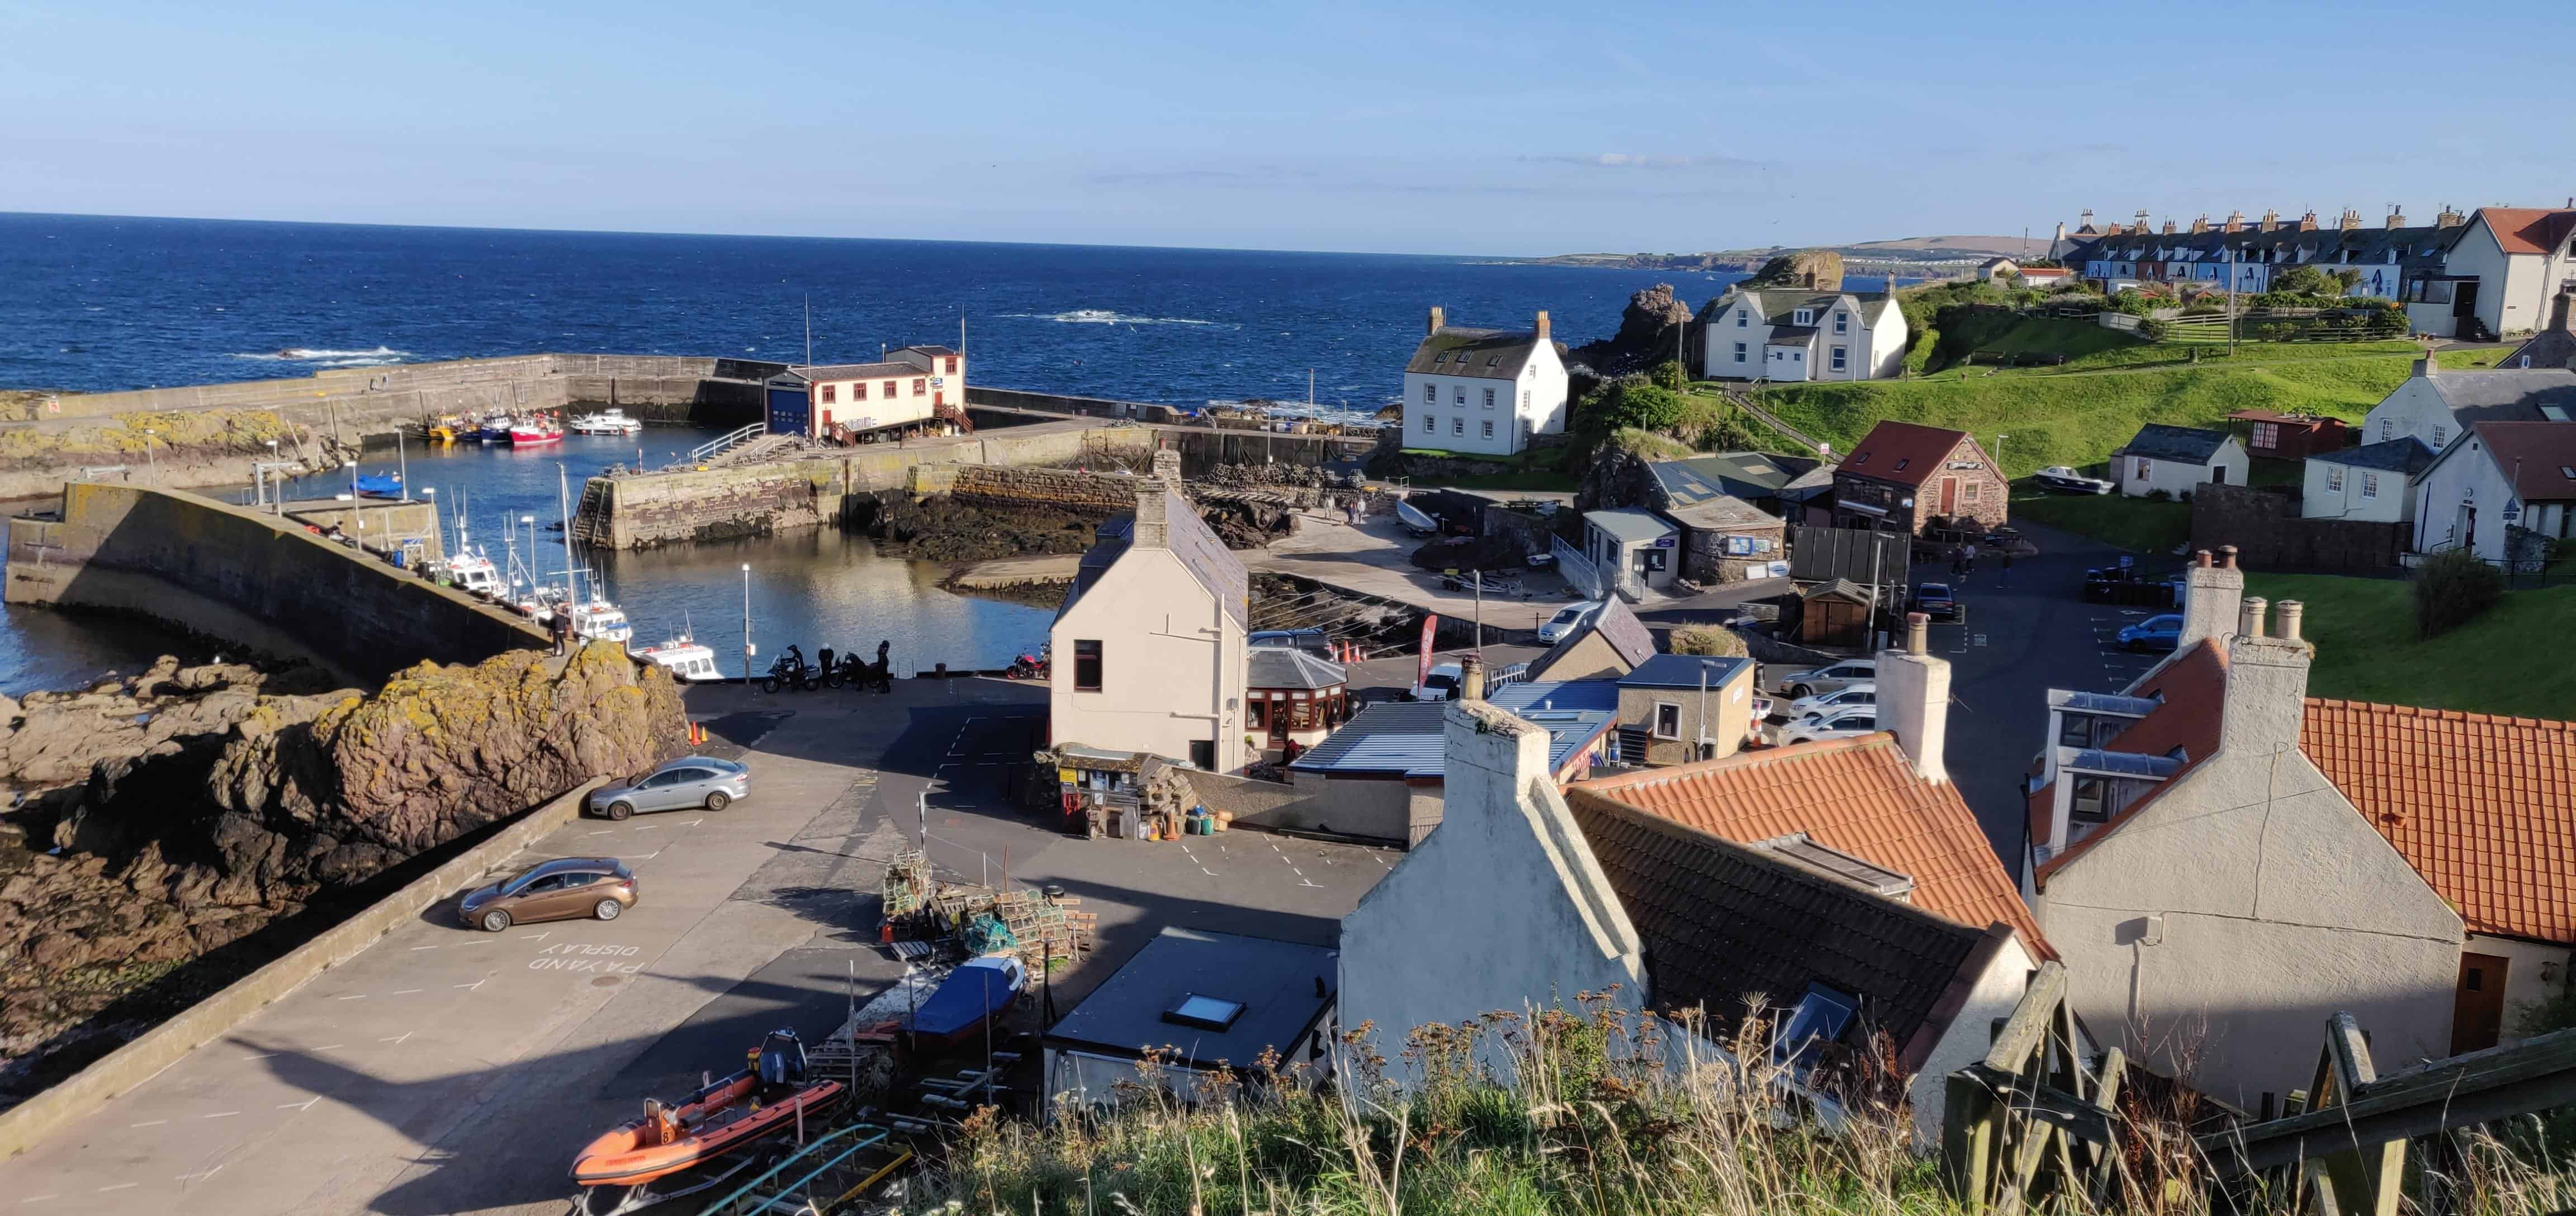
(566, 887)
(1440, 685)
(2131, 585)
(682, 784)
(1568, 621)
(2153, 633)
(2060, 479)
(1935, 600)
(1827, 679)
(1313, 641)
(1825, 704)
(1844, 725)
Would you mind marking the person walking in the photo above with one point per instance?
(560, 625)
(2006, 579)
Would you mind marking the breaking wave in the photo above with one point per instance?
(1103, 316)
(332, 358)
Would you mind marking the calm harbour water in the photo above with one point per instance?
(97, 303)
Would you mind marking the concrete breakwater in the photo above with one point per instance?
(256, 579)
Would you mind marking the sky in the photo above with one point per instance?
(1497, 129)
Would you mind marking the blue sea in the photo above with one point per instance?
(91, 303)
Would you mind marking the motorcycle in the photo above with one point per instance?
(790, 671)
(1028, 666)
(869, 678)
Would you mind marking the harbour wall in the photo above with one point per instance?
(259, 580)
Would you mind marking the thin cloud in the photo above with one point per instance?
(1647, 160)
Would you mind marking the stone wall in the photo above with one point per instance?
(1368, 810)
(1065, 488)
(2269, 535)
(378, 527)
(255, 579)
(640, 512)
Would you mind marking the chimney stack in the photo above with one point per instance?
(1914, 699)
(2235, 222)
(2169, 226)
(1153, 529)
(2396, 216)
(1471, 678)
(2426, 364)
(2211, 591)
(2141, 225)
(2291, 611)
(2267, 683)
(1437, 317)
(1542, 325)
(1167, 466)
(2200, 225)
(2449, 218)
(2271, 221)
(2350, 222)
(2308, 222)
(2084, 223)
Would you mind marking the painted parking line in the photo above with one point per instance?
(306, 1104)
(122, 1186)
(409, 991)
(200, 1175)
(148, 1123)
(221, 1114)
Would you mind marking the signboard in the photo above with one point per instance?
(936, 381)
(1664, 542)
(1430, 625)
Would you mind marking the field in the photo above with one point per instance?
(2364, 630)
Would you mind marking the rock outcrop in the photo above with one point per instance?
(1649, 327)
(169, 815)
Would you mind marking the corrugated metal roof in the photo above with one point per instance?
(1409, 738)
(1631, 525)
(1684, 671)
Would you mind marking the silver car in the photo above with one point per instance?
(683, 784)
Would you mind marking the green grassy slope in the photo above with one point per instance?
(2364, 630)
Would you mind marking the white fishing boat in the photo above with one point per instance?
(600, 621)
(606, 422)
(471, 572)
(684, 658)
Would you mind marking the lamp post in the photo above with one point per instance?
(1999, 455)
(746, 624)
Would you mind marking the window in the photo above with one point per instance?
(1489, 398)
(1489, 428)
(1901, 462)
(1256, 714)
(1668, 720)
(859, 391)
(1529, 427)
(1203, 754)
(920, 385)
(889, 390)
(2074, 730)
(2441, 435)
(2143, 469)
(1842, 321)
(1430, 423)
(1204, 1012)
(2384, 426)
(1818, 1019)
(1086, 666)
(1739, 352)
(952, 365)
(1805, 316)
(2090, 803)
(1743, 319)
(2369, 485)
(1460, 396)
(2267, 434)
(1968, 492)
(1431, 394)
(1493, 360)
(1458, 425)
(2334, 479)
(1525, 400)
(827, 394)
(1838, 358)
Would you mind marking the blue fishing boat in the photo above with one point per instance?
(968, 1000)
(380, 485)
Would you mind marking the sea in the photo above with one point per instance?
(95, 303)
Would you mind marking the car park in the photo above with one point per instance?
(1937, 601)
(2153, 633)
(1828, 703)
(1844, 725)
(2060, 479)
(1568, 620)
(601, 888)
(1827, 679)
(687, 783)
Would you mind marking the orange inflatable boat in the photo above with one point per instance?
(729, 1115)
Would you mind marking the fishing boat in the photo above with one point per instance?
(677, 1149)
(447, 428)
(469, 571)
(379, 485)
(1415, 520)
(535, 430)
(606, 422)
(597, 620)
(977, 992)
(684, 658)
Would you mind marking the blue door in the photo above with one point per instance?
(790, 411)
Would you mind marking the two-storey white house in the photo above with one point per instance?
(1484, 391)
(1799, 333)
(2500, 480)
(2438, 406)
(2512, 262)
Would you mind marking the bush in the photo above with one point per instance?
(2159, 494)
(2153, 330)
(1708, 640)
(1644, 407)
(2453, 588)
(1672, 375)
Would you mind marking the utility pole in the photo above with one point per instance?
(2231, 301)
(746, 618)
(1480, 612)
(809, 329)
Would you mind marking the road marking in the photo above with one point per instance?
(536, 936)
(424, 947)
(354, 996)
(643, 827)
(484, 942)
(409, 991)
(261, 1056)
(1311, 883)
(122, 1186)
(600, 832)
(221, 1114)
(306, 1104)
(38, 1198)
(399, 1038)
(1204, 870)
(153, 1123)
(330, 1046)
(476, 984)
(692, 823)
(200, 1174)
(1978, 640)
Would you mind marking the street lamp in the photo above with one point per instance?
(746, 624)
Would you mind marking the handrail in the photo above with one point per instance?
(799, 1155)
(713, 446)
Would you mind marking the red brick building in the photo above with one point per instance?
(1908, 477)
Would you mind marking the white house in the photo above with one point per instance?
(1638, 550)
(1799, 333)
(2499, 479)
(1484, 391)
(2438, 406)
(2373, 483)
(2513, 260)
(2178, 459)
(1149, 644)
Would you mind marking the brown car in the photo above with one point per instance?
(566, 887)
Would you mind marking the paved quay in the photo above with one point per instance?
(447, 1070)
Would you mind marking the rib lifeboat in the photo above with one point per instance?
(676, 1149)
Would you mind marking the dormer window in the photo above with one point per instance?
(1805, 316)
(1493, 360)
(1438, 359)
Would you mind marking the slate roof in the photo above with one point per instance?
(1791, 335)
(2407, 455)
(2179, 444)
(851, 371)
(1615, 624)
(2548, 348)
(1739, 474)
(2193, 687)
(1630, 525)
(1285, 667)
(1840, 588)
(1903, 453)
(2419, 246)
(1780, 305)
(1859, 795)
(2513, 395)
(1215, 567)
(1492, 354)
(1284, 987)
(1408, 738)
(2483, 807)
(1683, 671)
(1722, 922)
(2543, 454)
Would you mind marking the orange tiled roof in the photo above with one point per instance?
(2483, 807)
(2192, 686)
(2528, 229)
(1859, 795)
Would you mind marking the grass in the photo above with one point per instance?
(2478, 357)
(2134, 524)
(2364, 630)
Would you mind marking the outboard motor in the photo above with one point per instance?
(782, 1061)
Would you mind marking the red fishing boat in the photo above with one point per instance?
(674, 1150)
(535, 430)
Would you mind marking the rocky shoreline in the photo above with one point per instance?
(172, 830)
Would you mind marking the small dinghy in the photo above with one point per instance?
(977, 992)
(1415, 520)
(380, 485)
(706, 1138)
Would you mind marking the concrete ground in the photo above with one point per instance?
(448, 1070)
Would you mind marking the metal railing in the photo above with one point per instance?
(733, 439)
(827, 1154)
(1577, 569)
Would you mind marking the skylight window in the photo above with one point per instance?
(1819, 1019)
(1204, 1012)
(2567, 471)
(1900, 465)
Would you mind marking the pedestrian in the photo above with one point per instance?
(560, 625)
(2007, 575)
(1969, 564)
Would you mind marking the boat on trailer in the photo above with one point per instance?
(707, 1137)
(968, 1001)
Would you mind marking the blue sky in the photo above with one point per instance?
(1501, 128)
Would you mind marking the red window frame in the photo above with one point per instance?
(827, 394)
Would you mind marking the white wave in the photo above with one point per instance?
(1103, 316)
(306, 354)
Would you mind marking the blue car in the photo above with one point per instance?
(2153, 633)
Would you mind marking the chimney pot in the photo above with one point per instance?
(1542, 325)
(2249, 619)
(2201, 559)
(2227, 556)
(1918, 633)
(1471, 678)
(2291, 612)
(1437, 317)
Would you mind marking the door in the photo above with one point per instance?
(655, 794)
(1949, 495)
(540, 900)
(690, 787)
(2218, 474)
(2477, 1011)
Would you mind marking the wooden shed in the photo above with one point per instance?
(1834, 613)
